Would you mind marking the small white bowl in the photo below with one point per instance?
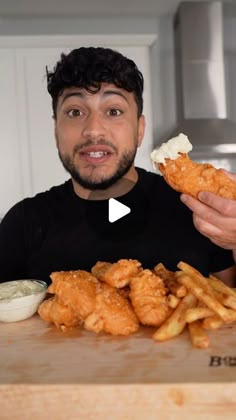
(14, 308)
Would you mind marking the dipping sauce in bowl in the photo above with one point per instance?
(20, 299)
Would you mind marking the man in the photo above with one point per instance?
(97, 105)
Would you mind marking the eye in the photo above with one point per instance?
(114, 112)
(75, 112)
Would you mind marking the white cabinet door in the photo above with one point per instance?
(45, 169)
(11, 188)
(29, 162)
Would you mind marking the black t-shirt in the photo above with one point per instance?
(57, 230)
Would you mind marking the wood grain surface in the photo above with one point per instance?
(45, 373)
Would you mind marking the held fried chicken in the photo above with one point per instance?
(113, 313)
(148, 297)
(189, 177)
(117, 274)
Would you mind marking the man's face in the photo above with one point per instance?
(98, 134)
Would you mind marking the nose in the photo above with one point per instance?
(94, 126)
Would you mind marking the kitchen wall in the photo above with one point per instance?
(162, 57)
(230, 64)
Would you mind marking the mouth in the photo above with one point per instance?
(96, 154)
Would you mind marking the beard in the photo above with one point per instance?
(123, 166)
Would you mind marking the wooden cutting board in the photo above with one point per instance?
(41, 364)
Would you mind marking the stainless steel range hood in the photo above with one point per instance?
(200, 78)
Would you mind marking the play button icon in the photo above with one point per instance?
(117, 210)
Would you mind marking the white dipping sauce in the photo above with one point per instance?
(18, 288)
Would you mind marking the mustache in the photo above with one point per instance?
(101, 142)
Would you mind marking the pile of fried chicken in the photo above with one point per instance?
(114, 298)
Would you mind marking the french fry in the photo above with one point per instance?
(226, 295)
(173, 301)
(175, 324)
(223, 298)
(193, 314)
(201, 304)
(229, 301)
(198, 336)
(212, 323)
(170, 281)
(196, 275)
(214, 287)
(215, 304)
(217, 284)
(209, 300)
(232, 314)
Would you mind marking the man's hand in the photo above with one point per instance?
(214, 217)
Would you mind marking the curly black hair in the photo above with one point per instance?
(88, 67)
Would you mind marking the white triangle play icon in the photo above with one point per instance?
(117, 210)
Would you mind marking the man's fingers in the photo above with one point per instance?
(212, 223)
(207, 229)
(192, 203)
(214, 217)
(214, 233)
(224, 206)
(204, 212)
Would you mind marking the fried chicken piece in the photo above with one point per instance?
(161, 271)
(189, 177)
(117, 274)
(124, 291)
(148, 297)
(100, 268)
(170, 281)
(51, 310)
(75, 289)
(113, 313)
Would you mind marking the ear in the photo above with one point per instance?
(141, 129)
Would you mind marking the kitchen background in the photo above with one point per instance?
(33, 34)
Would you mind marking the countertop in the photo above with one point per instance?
(78, 374)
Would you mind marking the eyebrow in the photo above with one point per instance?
(115, 92)
(109, 92)
(68, 95)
